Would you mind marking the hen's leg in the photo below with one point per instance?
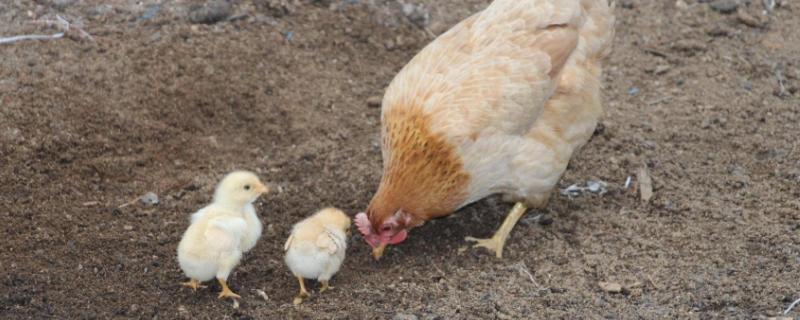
(498, 241)
(303, 293)
(193, 283)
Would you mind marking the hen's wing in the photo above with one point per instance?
(493, 71)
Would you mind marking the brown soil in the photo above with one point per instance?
(160, 104)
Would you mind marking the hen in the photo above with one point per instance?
(496, 105)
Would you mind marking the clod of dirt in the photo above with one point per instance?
(689, 45)
(374, 101)
(748, 19)
(610, 287)
(659, 69)
(628, 4)
(211, 12)
(724, 6)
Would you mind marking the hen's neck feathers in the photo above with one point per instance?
(423, 174)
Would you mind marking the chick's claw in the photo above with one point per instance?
(325, 287)
(226, 292)
(193, 283)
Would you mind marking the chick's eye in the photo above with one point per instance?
(247, 187)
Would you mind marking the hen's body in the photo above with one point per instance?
(498, 104)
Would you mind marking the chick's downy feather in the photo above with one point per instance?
(220, 232)
(497, 104)
(317, 245)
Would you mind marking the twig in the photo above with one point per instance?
(31, 37)
(524, 269)
(781, 81)
(656, 52)
(262, 294)
(59, 23)
(645, 183)
(440, 270)
(791, 306)
(657, 101)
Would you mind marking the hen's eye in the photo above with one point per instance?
(247, 187)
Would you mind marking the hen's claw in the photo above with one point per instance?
(491, 244)
(498, 241)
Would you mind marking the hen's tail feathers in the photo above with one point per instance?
(597, 32)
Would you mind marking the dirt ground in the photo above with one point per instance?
(167, 100)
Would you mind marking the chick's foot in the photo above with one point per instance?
(226, 292)
(193, 283)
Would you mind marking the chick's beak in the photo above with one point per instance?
(377, 252)
(262, 189)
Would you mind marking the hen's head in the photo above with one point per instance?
(381, 230)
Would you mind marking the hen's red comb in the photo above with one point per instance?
(363, 224)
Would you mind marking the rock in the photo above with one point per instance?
(60, 5)
(662, 69)
(211, 12)
(724, 6)
(149, 198)
(404, 316)
(128, 227)
(633, 91)
(610, 287)
(150, 12)
(374, 101)
(628, 4)
(417, 14)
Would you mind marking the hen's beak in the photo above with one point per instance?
(377, 252)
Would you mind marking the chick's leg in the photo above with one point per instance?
(498, 241)
(193, 283)
(303, 293)
(226, 292)
(325, 286)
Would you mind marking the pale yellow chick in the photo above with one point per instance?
(316, 248)
(222, 231)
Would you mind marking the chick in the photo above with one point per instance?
(220, 232)
(316, 248)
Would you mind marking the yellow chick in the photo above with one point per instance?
(316, 248)
(220, 232)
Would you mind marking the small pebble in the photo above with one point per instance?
(633, 91)
(610, 287)
(724, 6)
(149, 198)
(404, 316)
(211, 12)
